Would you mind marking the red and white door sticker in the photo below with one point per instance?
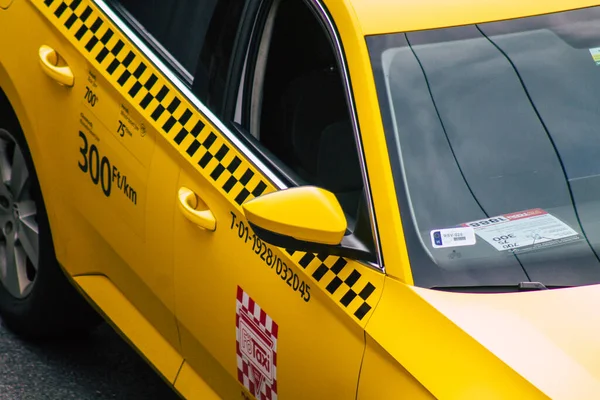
(256, 348)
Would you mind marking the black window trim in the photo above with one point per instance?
(324, 17)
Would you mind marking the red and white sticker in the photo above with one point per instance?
(256, 348)
(524, 230)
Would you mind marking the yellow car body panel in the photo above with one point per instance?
(192, 386)
(159, 114)
(111, 162)
(95, 233)
(464, 370)
(121, 245)
(380, 366)
(316, 328)
(386, 16)
(556, 328)
(134, 327)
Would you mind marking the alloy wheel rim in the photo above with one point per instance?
(19, 230)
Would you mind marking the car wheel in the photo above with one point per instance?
(36, 298)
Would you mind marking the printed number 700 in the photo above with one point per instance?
(90, 96)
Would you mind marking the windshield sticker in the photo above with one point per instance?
(523, 231)
(256, 348)
(596, 55)
(453, 237)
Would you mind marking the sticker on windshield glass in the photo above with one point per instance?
(453, 237)
(256, 348)
(523, 231)
(596, 55)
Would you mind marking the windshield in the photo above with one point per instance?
(494, 137)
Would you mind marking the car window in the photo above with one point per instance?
(214, 64)
(296, 107)
(196, 37)
(299, 106)
(179, 26)
(492, 137)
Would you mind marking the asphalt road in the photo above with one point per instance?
(101, 366)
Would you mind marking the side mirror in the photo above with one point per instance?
(305, 218)
(305, 214)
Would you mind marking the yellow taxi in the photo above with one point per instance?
(311, 199)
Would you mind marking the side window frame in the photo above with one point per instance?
(240, 114)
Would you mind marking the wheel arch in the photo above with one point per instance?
(16, 116)
(8, 112)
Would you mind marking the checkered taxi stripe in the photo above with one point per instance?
(345, 284)
(138, 80)
(190, 132)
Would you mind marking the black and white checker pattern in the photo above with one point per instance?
(115, 57)
(356, 290)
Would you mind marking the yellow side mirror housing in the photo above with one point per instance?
(307, 213)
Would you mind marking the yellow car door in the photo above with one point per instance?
(98, 98)
(255, 318)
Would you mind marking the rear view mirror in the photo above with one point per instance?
(296, 218)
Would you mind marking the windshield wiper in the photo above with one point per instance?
(520, 287)
(524, 286)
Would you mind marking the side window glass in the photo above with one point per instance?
(179, 26)
(297, 108)
(300, 112)
(214, 64)
(195, 36)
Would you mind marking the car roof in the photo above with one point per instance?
(387, 16)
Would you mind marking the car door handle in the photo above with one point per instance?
(194, 209)
(49, 61)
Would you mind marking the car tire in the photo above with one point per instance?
(37, 300)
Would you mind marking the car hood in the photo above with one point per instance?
(549, 340)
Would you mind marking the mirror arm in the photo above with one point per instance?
(350, 247)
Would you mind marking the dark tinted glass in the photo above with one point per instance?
(198, 34)
(180, 26)
(214, 65)
(493, 136)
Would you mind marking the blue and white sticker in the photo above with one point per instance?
(453, 237)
